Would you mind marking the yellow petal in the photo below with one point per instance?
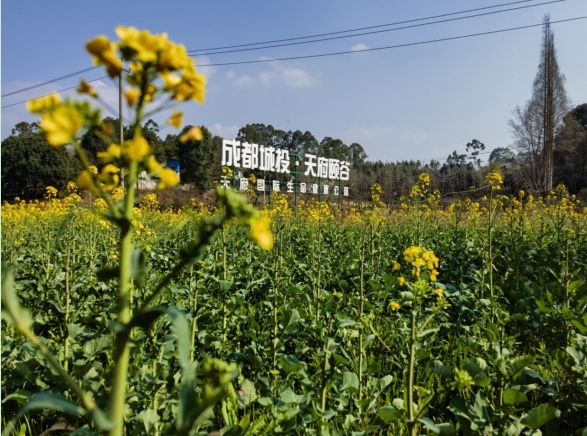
(194, 134)
(154, 166)
(61, 125)
(85, 180)
(131, 96)
(98, 45)
(168, 178)
(43, 104)
(260, 231)
(175, 119)
(85, 88)
(137, 148)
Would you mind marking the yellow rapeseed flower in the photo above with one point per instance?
(438, 292)
(132, 96)
(43, 104)
(394, 305)
(109, 176)
(168, 178)
(137, 148)
(412, 253)
(85, 88)
(494, 180)
(112, 153)
(194, 134)
(395, 265)
(93, 169)
(85, 180)
(176, 119)
(103, 52)
(192, 86)
(61, 125)
(173, 57)
(401, 281)
(261, 232)
(433, 275)
(154, 166)
(170, 80)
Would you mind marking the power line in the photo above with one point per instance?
(358, 51)
(377, 31)
(65, 89)
(387, 47)
(52, 80)
(287, 39)
(359, 28)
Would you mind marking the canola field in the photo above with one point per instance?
(422, 320)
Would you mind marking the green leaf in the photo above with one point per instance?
(542, 306)
(447, 429)
(521, 363)
(225, 285)
(389, 414)
(97, 345)
(246, 393)
(291, 364)
(265, 401)
(427, 332)
(21, 396)
(539, 416)
(515, 429)
(580, 326)
(291, 320)
(511, 397)
(429, 424)
(574, 285)
(373, 368)
(350, 381)
(288, 396)
(577, 355)
(339, 360)
(12, 311)
(344, 321)
(149, 417)
(382, 383)
(46, 401)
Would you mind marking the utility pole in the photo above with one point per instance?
(120, 124)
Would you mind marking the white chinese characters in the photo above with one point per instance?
(267, 158)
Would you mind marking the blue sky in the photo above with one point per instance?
(418, 102)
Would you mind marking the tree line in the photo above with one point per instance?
(29, 164)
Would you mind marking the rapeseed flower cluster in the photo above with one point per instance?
(494, 179)
(419, 258)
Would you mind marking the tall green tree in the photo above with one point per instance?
(570, 158)
(199, 160)
(30, 164)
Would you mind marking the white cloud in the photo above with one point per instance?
(245, 80)
(227, 132)
(359, 47)
(206, 71)
(278, 73)
(296, 77)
